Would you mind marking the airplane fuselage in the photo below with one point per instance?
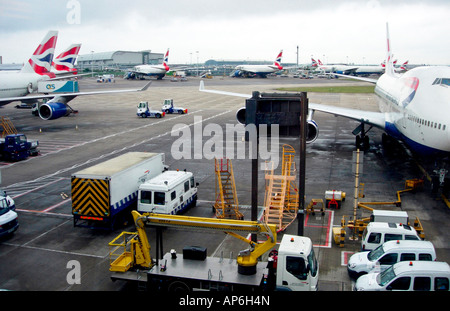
(258, 69)
(13, 84)
(150, 70)
(416, 107)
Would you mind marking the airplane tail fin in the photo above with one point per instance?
(64, 62)
(277, 61)
(166, 60)
(313, 62)
(389, 57)
(320, 63)
(41, 60)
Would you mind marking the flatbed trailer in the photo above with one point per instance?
(213, 273)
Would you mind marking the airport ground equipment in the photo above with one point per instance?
(144, 111)
(359, 224)
(296, 268)
(9, 221)
(105, 193)
(168, 107)
(8, 127)
(170, 192)
(227, 203)
(315, 204)
(16, 147)
(281, 198)
(334, 198)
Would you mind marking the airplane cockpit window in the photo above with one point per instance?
(442, 81)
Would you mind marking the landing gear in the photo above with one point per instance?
(362, 140)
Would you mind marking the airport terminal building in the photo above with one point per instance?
(118, 59)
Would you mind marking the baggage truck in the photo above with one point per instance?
(105, 193)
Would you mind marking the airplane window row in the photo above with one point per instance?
(431, 124)
(442, 81)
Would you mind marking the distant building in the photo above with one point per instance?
(118, 59)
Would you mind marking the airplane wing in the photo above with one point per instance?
(377, 119)
(73, 95)
(354, 77)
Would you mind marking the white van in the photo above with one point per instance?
(388, 254)
(408, 276)
(377, 233)
(171, 192)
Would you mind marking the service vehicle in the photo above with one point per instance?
(105, 193)
(106, 78)
(408, 276)
(171, 192)
(16, 147)
(296, 267)
(334, 198)
(377, 233)
(388, 254)
(9, 221)
(144, 111)
(169, 108)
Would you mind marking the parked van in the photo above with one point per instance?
(171, 192)
(388, 254)
(377, 233)
(8, 217)
(408, 276)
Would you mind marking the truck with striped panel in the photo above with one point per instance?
(105, 193)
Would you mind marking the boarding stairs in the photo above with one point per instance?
(281, 199)
(226, 204)
(8, 127)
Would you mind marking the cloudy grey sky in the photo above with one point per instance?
(332, 30)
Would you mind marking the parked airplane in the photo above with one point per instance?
(150, 70)
(260, 70)
(64, 62)
(412, 107)
(15, 85)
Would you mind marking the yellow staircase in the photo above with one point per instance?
(8, 127)
(226, 204)
(281, 199)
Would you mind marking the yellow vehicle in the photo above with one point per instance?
(296, 268)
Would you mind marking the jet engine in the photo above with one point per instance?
(54, 109)
(312, 128)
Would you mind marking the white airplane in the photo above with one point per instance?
(260, 70)
(413, 108)
(14, 86)
(150, 70)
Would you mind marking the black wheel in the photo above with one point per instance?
(158, 115)
(143, 115)
(178, 287)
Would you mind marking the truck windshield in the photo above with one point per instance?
(386, 276)
(159, 198)
(4, 206)
(376, 253)
(146, 197)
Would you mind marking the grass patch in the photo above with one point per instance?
(330, 89)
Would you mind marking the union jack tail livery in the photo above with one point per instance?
(41, 60)
(64, 62)
(277, 61)
(166, 60)
(313, 62)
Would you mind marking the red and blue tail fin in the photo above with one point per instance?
(277, 61)
(166, 60)
(389, 57)
(64, 62)
(41, 60)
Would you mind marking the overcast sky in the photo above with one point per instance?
(331, 30)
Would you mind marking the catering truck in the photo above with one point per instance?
(17, 147)
(105, 193)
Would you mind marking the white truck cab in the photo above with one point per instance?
(297, 267)
(168, 193)
(408, 276)
(8, 217)
(388, 254)
(377, 233)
